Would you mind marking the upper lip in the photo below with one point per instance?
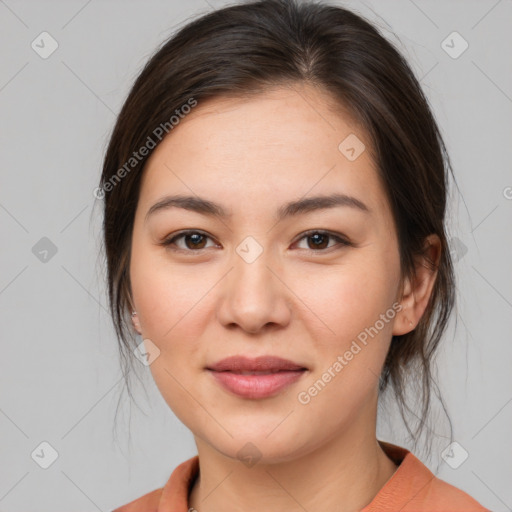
(247, 364)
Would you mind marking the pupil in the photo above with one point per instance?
(316, 237)
(195, 238)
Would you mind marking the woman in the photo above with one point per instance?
(275, 192)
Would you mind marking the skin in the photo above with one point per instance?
(294, 301)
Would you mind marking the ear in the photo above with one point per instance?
(417, 290)
(136, 323)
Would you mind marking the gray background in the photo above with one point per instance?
(60, 379)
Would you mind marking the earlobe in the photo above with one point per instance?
(136, 322)
(404, 323)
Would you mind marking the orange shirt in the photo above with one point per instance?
(412, 488)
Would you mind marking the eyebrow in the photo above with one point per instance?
(302, 206)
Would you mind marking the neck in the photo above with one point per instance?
(343, 474)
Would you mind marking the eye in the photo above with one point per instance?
(320, 238)
(194, 241)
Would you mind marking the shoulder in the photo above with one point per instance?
(414, 488)
(441, 494)
(149, 503)
(172, 496)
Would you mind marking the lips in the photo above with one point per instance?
(262, 364)
(261, 377)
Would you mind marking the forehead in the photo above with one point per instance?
(264, 149)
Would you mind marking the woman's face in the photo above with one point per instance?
(255, 283)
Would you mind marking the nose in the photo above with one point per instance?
(254, 296)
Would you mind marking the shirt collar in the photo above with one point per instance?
(408, 480)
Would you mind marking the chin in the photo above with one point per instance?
(261, 444)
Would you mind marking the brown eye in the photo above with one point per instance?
(194, 241)
(318, 241)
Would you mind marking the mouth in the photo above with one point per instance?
(262, 364)
(259, 372)
(256, 378)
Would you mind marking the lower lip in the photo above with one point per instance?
(257, 386)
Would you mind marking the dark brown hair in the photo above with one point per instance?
(244, 49)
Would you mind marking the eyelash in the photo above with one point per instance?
(171, 241)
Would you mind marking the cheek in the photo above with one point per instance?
(171, 308)
(356, 302)
(348, 298)
(166, 296)
(171, 305)
(348, 363)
